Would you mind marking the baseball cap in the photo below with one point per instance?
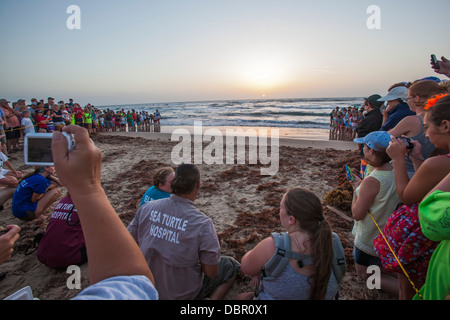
(376, 140)
(373, 100)
(4, 101)
(396, 93)
(435, 79)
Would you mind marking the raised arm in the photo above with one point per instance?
(444, 67)
(111, 249)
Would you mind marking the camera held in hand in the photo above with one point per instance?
(38, 148)
(407, 142)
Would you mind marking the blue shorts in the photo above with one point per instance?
(365, 259)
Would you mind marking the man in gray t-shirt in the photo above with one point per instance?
(181, 245)
(175, 239)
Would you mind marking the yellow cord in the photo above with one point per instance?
(399, 263)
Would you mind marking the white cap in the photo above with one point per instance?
(396, 93)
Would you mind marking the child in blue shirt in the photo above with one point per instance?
(161, 185)
(35, 194)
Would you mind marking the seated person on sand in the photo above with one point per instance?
(301, 215)
(8, 180)
(376, 194)
(36, 193)
(161, 185)
(181, 245)
(63, 242)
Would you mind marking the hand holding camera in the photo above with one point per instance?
(441, 67)
(38, 148)
(401, 147)
(79, 169)
(408, 142)
(354, 180)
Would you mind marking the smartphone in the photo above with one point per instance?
(349, 173)
(434, 61)
(37, 148)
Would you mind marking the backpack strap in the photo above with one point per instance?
(278, 262)
(339, 266)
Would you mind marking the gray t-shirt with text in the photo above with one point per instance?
(175, 237)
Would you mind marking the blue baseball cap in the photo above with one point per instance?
(435, 79)
(377, 140)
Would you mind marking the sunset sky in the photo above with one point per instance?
(132, 51)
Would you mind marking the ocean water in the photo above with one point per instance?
(282, 113)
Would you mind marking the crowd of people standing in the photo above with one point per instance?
(405, 160)
(39, 116)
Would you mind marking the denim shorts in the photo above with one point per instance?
(365, 259)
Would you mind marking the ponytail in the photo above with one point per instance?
(307, 209)
(322, 244)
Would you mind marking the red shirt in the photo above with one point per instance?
(78, 112)
(63, 240)
(39, 119)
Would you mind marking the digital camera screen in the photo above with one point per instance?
(40, 150)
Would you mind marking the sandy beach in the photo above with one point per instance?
(242, 203)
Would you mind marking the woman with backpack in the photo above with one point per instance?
(308, 274)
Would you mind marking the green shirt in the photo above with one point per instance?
(434, 216)
(88, 117)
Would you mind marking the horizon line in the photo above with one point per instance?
(223, 100)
